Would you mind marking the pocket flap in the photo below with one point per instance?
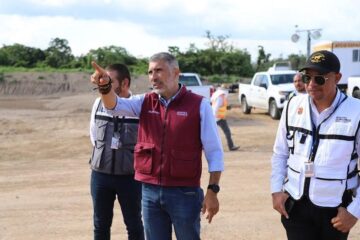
(140, 147)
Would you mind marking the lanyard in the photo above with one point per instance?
(316, 130)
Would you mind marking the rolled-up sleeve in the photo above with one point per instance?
(210, 138)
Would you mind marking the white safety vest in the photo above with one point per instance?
(334, 157)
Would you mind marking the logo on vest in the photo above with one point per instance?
(342, 119)
(300, 110)
(153, 112)
(184, 114)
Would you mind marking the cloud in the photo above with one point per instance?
(144, 27)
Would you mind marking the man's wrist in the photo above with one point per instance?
(106, 88)
(215, 188)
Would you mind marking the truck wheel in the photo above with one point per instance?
(356, 93)
(244, 106)
(274, 112)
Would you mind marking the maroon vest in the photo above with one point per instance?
(169, 149)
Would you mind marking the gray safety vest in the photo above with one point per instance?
(114, 161)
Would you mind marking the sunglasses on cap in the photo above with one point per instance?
(319, 79)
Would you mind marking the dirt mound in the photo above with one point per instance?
(43, 84)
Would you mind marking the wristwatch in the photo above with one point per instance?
(214, 187)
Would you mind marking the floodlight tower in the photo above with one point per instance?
(311, 33)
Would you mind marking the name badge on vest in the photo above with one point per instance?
(115, 141)
(309, 169)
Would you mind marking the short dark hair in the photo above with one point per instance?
(121, 70)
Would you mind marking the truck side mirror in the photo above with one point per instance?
(263, 85)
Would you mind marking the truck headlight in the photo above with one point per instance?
(284, 93)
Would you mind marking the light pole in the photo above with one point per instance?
(311, 33)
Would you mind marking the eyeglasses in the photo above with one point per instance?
(319, 79)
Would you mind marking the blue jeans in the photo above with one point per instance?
(167, 206)
(104, 189)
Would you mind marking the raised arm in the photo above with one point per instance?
(103, 82)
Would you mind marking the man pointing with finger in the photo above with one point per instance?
(175, 126)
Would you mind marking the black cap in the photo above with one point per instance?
(322, 62)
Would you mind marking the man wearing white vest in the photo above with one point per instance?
(314, 179)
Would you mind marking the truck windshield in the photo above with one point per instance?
(282, 78)
(188, 80)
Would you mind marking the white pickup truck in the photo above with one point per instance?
(267, 90)
(193, 83)
(354, 86)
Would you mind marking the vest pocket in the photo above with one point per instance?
(143, 154)
(292, 184)
(129, 135)
(100, 130)
(326, 191)
(184, 164)
(125, 159)
(97, 153)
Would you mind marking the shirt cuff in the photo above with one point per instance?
(276, 187)
(354, 208)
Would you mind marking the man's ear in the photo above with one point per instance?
(177, 71)
(125, 83)
(337, 77)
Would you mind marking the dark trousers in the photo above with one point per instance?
(310, 222)
(222, 123)
(104, 189)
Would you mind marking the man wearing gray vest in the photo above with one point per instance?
(112, 163)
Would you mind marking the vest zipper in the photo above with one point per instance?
(330, 179)
(162, 146)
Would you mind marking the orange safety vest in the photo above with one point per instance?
(221, 112)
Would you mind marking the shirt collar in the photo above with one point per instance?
(331, 107)
(167, 102)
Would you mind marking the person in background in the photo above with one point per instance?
(299, 86)
(112, 163)
(175, 126)
(314, 179)
(219, 103)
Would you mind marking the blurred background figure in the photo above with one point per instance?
(219, 105)
(299, 86)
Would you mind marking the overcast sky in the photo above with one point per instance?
(144, 27)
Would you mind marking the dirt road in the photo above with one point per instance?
(44, 174)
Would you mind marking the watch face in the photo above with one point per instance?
(214, 187)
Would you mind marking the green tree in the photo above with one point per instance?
(297, 61)
(174, 50)
(58, 54)
(18, 55)
(111, 54)
(262, 60)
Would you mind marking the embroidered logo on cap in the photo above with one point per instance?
(318, 57)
